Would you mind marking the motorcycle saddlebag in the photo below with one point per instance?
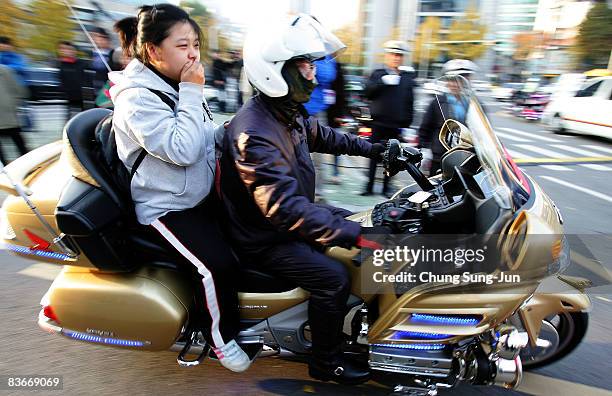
(146, 309)
(93, 220)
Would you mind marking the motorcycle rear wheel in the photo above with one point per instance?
(564, 331)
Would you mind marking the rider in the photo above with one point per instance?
(159, 120)
(268, 183)
(449, 105)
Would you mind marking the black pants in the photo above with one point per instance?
(326, 280)
(380, 135)
(15, 134)
(196, 235)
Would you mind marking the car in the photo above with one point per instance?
(566, 86)
(587, 112)
(44, 83)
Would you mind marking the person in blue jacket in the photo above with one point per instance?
(10, 58)
(321, 98)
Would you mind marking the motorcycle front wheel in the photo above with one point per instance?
(560, 335)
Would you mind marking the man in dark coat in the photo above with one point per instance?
(103, 42)
(71, 76)
(268, 185)
(390, 91)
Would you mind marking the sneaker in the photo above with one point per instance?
(232, 357)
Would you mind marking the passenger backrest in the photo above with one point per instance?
(83, 152)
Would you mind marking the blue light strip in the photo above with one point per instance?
(102, 340)
(399, 335)
(38, 253)
(417, 347)
(444, 319)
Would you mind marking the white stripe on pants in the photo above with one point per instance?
(207, 280)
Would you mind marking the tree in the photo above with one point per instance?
(50, 23)
(594, 40)
(468, 33)
(212, 39)
(349, 35)
(527, 43)
(11, 17)
(428, 33)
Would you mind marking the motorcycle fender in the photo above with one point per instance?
(539, 306)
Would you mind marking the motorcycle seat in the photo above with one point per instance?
(252, 280)
(151, 248)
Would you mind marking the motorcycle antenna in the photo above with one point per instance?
(24, 192)
(76, 17)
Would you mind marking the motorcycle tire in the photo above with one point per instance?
(571, 328)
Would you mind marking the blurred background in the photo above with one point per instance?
(529, 52)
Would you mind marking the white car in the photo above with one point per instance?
(588, 112)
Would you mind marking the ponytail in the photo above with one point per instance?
(127, 29)
(151, 26)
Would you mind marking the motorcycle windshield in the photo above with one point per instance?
(500, 177)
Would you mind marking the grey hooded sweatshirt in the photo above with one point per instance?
(179, 169)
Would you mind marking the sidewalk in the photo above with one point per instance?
(353, 178)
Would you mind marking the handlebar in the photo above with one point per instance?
(397, 158)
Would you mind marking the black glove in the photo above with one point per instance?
(377, 151)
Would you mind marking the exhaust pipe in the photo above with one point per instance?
(509, 372)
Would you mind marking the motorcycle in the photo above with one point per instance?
(120, 287)
(534, 106)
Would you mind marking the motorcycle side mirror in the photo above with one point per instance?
(453, 133)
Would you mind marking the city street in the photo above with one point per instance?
(580, 189)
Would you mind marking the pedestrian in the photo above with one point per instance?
(321, 98)
(100, 58)
(237, 66)
(442, 107)
(390, 91)
(267, 184)
(120, 59)
(335, 113)
(161, 123)
(220, 73)
(72, 77)
(12, 94)
(17, 62)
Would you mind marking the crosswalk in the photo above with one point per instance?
(563, 153)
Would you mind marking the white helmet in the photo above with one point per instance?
(266, 51)
(458, 67)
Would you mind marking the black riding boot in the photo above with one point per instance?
(328, 362)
